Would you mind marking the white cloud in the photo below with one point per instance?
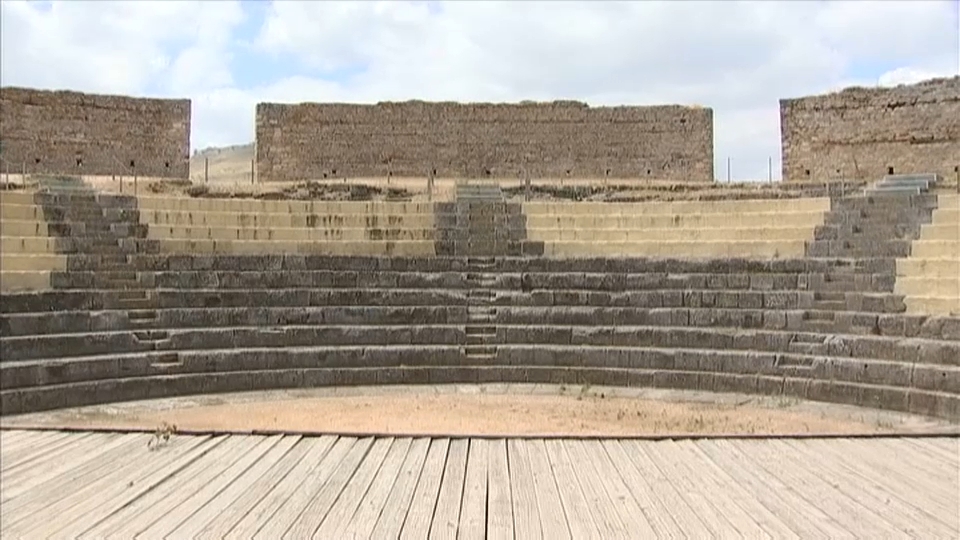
(737, 57)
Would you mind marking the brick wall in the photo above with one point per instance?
(66, 132)
(862, 132)
(550, 140)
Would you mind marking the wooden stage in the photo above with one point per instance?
(56, 484)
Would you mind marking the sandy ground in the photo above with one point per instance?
(487, 410)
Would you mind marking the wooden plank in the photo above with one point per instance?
(299, 497)
(727, 486)
(499, 504)
(390, 522)
(121, 494)
(228, 497)
(31, 441)
(898, 515)
(619, 498)
(313, 515)
(31, 453)
(39, 463)
(879, 475)
(920, 462)
(690, 521)
(285, 493)
(698, 476)
(900, 477)
(73, 502)
(446, 517)
(251, 496)
(598, 501)
(35, 481)
(575, 506)
(128, 521)
(655, 509)
(11, 437)
(371, 507)
(83, 472)
(338, 518)
(420, 514)
(769, 492)
(795, 471)
(807, 519)
(694, 495)
(553, 520)
(473, 510)
(935, 451)
(523, 492)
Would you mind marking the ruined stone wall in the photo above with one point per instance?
(63, 132)
(549, 140)
(865, 132)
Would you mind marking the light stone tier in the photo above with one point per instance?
(740, 228)
(930, 277)
(28, 251)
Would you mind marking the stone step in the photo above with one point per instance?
(482, 351)
(894, 191)
(152, 335)
(480, 330)
(819, 315)
(829, 296)
(830, 305)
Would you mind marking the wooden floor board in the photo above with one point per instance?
(365, 518)
(446, 516)
(553, 520)
(292, 502)
(226, 498)
(473, 509)
(337, 519)
(275, 510)
(883, 472)
(424, 501)
(574, 501)
(319, 506)
(901, 517)
(390, 522)
(523, 493)
(499, 498)
(96, 485)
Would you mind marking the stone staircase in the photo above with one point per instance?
(880, 223)
(101, 233)
(482, 230)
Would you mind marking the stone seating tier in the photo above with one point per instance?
(212, 324)
(752, 228)
(929, 278)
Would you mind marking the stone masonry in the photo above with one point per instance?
(561, 139)
(865, 133)
(64, 132)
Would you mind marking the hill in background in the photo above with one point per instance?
(227, 164)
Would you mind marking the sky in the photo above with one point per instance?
(738, 58)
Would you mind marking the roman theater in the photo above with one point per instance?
(478, 320)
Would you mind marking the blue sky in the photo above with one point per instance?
(739, 58)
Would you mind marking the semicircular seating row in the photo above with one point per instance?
(114, 323)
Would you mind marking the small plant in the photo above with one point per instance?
(784, 402)
(161, 436)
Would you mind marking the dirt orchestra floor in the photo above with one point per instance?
(478, 410)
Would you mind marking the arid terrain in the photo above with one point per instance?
(486, 410)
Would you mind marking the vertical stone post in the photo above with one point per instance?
(430, 179)
(206, 170)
